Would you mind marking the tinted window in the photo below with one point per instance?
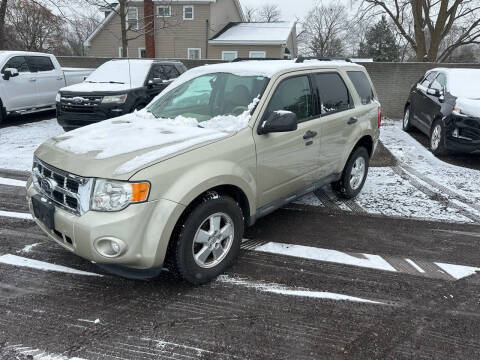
(428, 79)
(164, 72)
(292, 95)
(40, 63)
(17, 62)
(362, 85)
(333, 92)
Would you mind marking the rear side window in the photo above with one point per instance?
(40, 63)
(292, 95)
(164, 72)
(334, 95)
(17, 62)
(362, 85)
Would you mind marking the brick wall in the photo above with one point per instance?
(392, 80)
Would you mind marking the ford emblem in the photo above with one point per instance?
(47, 185)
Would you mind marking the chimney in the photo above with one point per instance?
(149, 18)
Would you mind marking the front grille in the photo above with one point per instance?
(80, 104)
(59, 186)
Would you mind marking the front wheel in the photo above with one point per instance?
(437, 139)
(354, 175)
(407, 120)
(209, 240)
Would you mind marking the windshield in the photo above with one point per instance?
(210, 97)
(464, 83)
(120, 72)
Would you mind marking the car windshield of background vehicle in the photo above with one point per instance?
(128, 72)
(464, 83)
(218, 95)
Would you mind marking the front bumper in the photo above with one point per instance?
(463, 134)
(71, 120)
(144, 229)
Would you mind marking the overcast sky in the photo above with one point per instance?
(290, 8)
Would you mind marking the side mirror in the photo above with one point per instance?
(9, 73)
(433, 92)
(279, 121)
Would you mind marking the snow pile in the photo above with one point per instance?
(463, 181)
(18, 143)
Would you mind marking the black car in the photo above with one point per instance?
(445, 105)
(116, 88)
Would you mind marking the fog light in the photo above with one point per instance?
(455, 133)
(110, 247)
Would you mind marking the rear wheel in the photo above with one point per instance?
(208, 241)
(406, 120)
(354, 175)
(437, 138)
(3, 114)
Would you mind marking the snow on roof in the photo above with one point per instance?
(255, 33)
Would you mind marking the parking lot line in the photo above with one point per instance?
(12, 182)
(16, 215)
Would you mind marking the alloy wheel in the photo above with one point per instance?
(213, 240)
(358, 173)
(436, 137)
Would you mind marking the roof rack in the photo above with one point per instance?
(301, 59)
(254, 59)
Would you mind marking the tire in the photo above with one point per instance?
(354, 175)
(407, 116)
(193, 256)
(437, 138)
(3, 113)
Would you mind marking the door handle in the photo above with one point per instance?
(352, 121)
(309, 134)
(32, 79)
(60, 78)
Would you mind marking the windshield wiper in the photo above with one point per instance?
(111, 82)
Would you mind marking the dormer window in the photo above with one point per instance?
(188, 12)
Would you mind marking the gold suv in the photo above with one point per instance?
(175, 184)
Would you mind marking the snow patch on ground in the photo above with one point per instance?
(458, 271)
(14, 260)
(327, 255)
(16, 215)
(12, 182)
(34, 354)
(289, 291)
(18, 143)
(28, 248)
(465, 182)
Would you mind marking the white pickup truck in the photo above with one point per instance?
(30, 81)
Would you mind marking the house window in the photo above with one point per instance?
(120, 51)
(194, 53)
(164, 11)
(132, 18)
(257, 54)
(229, 55)
(188, 13)
(142, 53)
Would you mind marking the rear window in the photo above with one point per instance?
(362, 85)
(334, 95)
(40, 63)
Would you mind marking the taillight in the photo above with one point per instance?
(379, 116)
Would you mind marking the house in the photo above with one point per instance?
(191, 29)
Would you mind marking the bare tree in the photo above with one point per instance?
(325, 29)
(78, 30)
(250, 13)
(35, 27)
(269, 13)
(433, 21)
(3, 10)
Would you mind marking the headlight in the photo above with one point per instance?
(58, 97)
(111, 195)
(114, 99)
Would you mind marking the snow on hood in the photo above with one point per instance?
(470, 107)
(142, 131)
(88, 87)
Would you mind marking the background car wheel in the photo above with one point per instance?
(437, 138)
(406, 120)
(354, 175)
(208, 241)
(3, 115)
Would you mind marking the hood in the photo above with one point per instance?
(119, 147)
(470, 107)
(90, 87)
